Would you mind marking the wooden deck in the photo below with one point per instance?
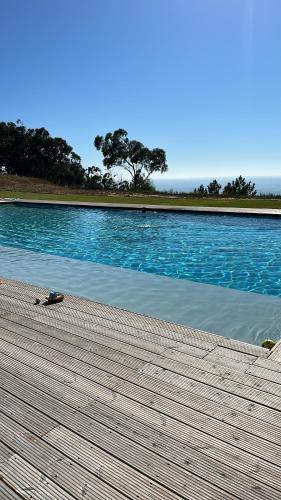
(100, 403)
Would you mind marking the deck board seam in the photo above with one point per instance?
(190, 378)
(194, 474)
(104, 339)
(54, 478)
(154, 391)
(149, 477)
(91, 417)
(157, 356)
(175, 417)
(62, 425)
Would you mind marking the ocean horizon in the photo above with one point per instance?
(264, 184)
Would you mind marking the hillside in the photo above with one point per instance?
(14, 183)
(33, 188)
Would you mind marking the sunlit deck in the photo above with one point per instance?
(101, 403)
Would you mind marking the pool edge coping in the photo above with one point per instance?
(160, 208)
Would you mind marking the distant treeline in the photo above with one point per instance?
(33, 152)
(239, 187)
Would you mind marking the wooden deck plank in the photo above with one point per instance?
(265, 373)
(156, 380)
(188, 458)
(234, 436)
(136, 360)
(59, 468)
(6, 493)
(93, 315)
(73, 389)
(107, 337)
(129, 482)
(133, 406)
(21, 480)
(227, 479)
(163, 328)
(234, 355)
(171, 408)
(222, 476)
(231, 359)
(67, 479)
(196, 347)
(144, 350)
(136, 421)
(275, 353)
(220, 414)
(5, 453)
(124, 419)
(112, 471)
(17, 409)
(270, 364)
(180, 442)
(248, 401)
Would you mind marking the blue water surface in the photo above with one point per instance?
(234, 252)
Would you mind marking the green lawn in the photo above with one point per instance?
(148, 200)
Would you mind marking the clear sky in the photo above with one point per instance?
(199, 78)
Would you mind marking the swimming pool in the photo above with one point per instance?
(242, 253)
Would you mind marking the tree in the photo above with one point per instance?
(33, 152)
(132, 156)
(214, 188)
(93, 178)
(201, 191)
(239, 187)
(96, 179)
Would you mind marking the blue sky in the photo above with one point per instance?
(199, 78)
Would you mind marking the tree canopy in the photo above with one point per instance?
(132, 156)
(214, 188)
(96, 179)
(240, 187)
(201, 191)
(236, 188)
(33, 152)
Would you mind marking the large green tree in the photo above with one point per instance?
(132, 156)
(33, 152)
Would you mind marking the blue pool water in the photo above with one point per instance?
(234, 252)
